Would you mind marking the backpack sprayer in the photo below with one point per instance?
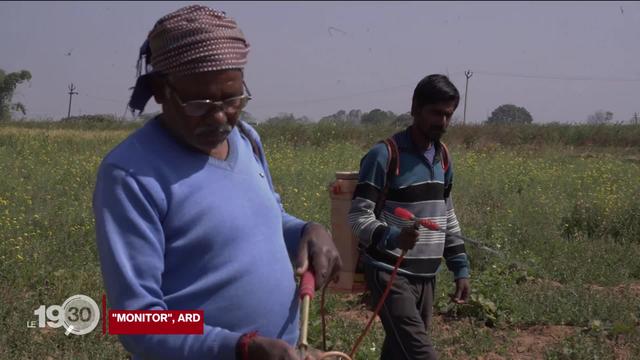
(307, 286)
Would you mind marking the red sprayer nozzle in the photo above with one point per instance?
(430, 224)
(404, 213)
(307, 284)
(407, 215)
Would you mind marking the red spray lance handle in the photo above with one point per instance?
(430, 225)
(407, 215)
(404, 213)
(307, 284)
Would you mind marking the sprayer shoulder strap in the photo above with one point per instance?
(254, 144)
(393, 169)
(446, 162)
(445, 157)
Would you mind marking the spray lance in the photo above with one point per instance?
(407, 215)
(307, 286)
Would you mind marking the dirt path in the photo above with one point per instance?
(520, 343)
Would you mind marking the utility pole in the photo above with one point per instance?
(635, 118)
(72, 92)
(468, 75)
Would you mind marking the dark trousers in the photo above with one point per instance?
(406, 314)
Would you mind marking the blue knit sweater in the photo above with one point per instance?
(177, 229)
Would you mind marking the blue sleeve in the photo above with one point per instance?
(459, 266)
(130, 242)
(390, 238)
(292, 227)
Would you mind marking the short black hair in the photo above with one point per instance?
(434, 89)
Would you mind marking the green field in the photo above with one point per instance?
(561, 202)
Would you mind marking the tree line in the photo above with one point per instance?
(503, 114)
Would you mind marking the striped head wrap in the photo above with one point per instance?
(190, 40)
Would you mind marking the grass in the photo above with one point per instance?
(559, 201)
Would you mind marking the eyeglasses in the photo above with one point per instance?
(197, 108)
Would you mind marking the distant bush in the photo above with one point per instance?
(469, 136)
(510, 114)
(600, 117)
(591, 220)
(619, 135)
(98, 118)
(82, 122)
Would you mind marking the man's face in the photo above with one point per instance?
(432, 119)
(204, 132)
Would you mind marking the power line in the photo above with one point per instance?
(481, 72)
(553, 77)
(356, 94)
(104, 99)
(346, 96)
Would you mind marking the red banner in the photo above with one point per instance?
(148, 322)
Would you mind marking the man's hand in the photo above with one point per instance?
(407, 238)
(271, 349)
(318, 250)
(463, 289)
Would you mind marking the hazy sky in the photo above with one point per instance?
(561, 61)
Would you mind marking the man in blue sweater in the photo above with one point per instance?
(186, 212)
